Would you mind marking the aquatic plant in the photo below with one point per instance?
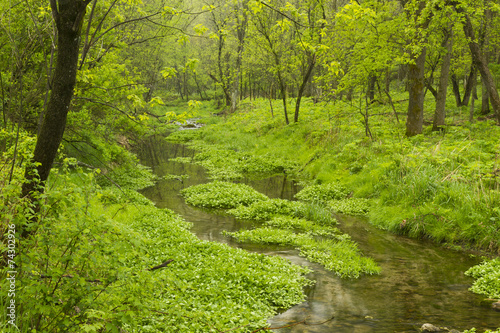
(487, 278)
(265, 210)
(322, 193)
(120, 263)
(300, 224)
(183, 136)
(338, 254)
(219, 194)
(350, 206)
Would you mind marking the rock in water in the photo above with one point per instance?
(496, 306)
(430, 328)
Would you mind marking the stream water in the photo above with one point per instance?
(420, 281)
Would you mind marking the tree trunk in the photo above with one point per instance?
(240, 32)
(469, 85)
(306, 78)
(283, 97)
(471, 111)
(481, 64)
(372, 79)
(415, 118)
(456, 89)
(439, 114)
(68, 16)
(485, 100)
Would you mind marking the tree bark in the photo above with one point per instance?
(240, 32)
(416, 81)
(415, 118)
(485, 100)
(440, 112)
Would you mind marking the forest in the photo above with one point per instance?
(209, 165)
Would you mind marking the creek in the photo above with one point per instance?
(420, 282)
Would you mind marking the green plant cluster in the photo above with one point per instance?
(227, 163)
(322, 193)
(183, 136)
(338, 253)
(266, 209)
(487, 278)
(89, 266)
(307, 227)
(350, 206)
(131, 176)
(220, 194)
(300, 224)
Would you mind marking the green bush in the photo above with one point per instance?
(219, 194)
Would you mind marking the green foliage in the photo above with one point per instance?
(183, 136)
(219, 194)
(266, 209)
(350, 206)
(322, 193)
(300, 224)
(339, 254)
(129, 176)
(225, 164)
(487, 278)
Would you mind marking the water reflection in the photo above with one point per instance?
(420, 282)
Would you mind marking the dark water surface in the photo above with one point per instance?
(420, 281)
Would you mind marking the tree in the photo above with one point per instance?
(416, 70)
(439, 113)
(68, 17)
(479, 61)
